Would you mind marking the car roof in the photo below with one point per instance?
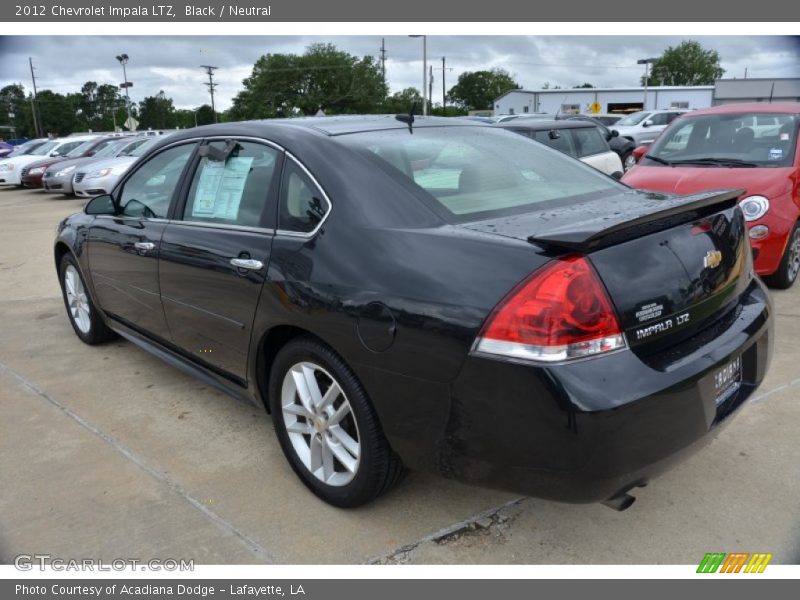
(745, 107)
(546, 124)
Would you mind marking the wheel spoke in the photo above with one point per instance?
(298, 410)
(312, 386)
(345, 440)
(347, 461)
(315, 457)
(330, 396)
(340, 414)
(327, 460)
(302, 428)
(302, 389)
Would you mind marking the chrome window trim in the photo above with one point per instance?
(313, 232)
(226, 226)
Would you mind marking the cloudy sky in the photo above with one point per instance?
(171, 64)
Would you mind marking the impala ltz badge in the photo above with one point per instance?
(712, 259)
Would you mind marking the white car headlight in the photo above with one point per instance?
(66, 171)
(36, 171)
(6, 166)
(754, 207)
(100, 173)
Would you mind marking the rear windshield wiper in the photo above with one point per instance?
(658, 159)
(735, 162)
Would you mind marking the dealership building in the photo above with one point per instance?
(626, 100)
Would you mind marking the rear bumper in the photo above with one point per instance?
(586, 431)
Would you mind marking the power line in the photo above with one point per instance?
(211, 85)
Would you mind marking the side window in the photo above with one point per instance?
(65, 149)
(672, 116)
(149, 190)
(302, 204)
(561, 143)
(233, 191)
(659, 118)
(589, 141)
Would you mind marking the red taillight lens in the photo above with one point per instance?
(561, 311)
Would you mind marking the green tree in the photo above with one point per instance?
(14, 101)
(157, 112)
(401, 102)
(476, 90)
(286, 85)
(686, 64)
(583, 86)
(102, 106)
(59, 114)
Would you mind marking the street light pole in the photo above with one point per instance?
(424, 72)
(123, 60)
(646, 62)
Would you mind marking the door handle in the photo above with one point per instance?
(144, 247)
(247, 263)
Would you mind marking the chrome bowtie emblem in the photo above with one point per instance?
(712, 259)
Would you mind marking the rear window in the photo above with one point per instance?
(474, 173)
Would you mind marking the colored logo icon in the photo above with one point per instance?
(735, 562)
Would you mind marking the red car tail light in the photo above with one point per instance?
(562, 311)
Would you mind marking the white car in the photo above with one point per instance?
(643, 127)
(11, 168)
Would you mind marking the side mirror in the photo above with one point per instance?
(553, 134)
(639, 152)
(617, 175)
(647, 123)
(54, 153)
(614, 133)
(101, 205)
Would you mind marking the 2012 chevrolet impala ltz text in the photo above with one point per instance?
(429, 293)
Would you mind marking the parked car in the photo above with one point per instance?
(459, 300)
(607, 119)
(27, 147)
(33, 174)
(12, 168)
(57, 178)
(579, 139)
(622, 146)
(100, 177)
(643, 127)
(748, 146)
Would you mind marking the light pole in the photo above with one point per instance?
(424, 72)
(646, 62)
(123, 60)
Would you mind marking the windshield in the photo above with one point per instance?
(755, 139)
(633, 119)
(480, 173)
(144, 147)
(44, 148)
(111, 149)
(76, 152)
(28, 147)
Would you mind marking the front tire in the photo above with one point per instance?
(81, 310)
(628, 161)
(789, 266)
(327, 427)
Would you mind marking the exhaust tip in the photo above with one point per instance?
(620, 502)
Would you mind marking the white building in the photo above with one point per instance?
(609, 99)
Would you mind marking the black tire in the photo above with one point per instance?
(97, 332)
(789, 266)
(627, 156)
(378, 467)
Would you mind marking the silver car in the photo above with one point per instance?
(100, 176)
(643, 127)
(58, 177)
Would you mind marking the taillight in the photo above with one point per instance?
(561, 311)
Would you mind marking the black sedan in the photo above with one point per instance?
(621, 145)
(440, 295)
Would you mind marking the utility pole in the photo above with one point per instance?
(383, 60)
(211, 85)
(33, 100)
(646, 62)
(444, 95)
(123, 60)
(430, 86)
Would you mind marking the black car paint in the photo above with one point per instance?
(401, 296)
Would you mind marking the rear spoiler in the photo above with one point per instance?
(594, 233)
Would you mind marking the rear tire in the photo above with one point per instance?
(83, 315)
(789, 266)
(628, 161)
(327, 427)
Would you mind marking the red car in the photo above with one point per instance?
(748, 146)
(32, 174)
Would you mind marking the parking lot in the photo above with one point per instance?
(107, 452)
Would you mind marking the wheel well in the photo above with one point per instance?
(271, 343)
(60, 250)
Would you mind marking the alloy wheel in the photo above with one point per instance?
(320, 424)
(77, 300)
(793, 266)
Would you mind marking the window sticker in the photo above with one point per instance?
(775, 154)
(220, 188)
(784, 137)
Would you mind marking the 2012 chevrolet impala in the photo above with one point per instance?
(429, 293)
